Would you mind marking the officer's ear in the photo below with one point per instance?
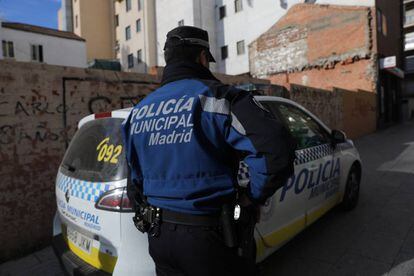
(203, 59)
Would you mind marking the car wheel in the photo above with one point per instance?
(351, 195)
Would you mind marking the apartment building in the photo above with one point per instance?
(92, 20)
(135, 31)
(135, 46)
(65, 16)
(29, 43)
(196, 13)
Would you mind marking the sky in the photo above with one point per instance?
(35, 12)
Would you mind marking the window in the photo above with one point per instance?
(76, 21)
(409, 64)
(240, 47)
(116, 20)
(224, 52)
(37, 53)
(307, 132)
(138, 25)
(409, 42)
(238, 6)
(140, 5)
(139, 56)
(130, 60)
(128, 33)
(381, 22)
(181, 22)
(222, 12)
(117, 46)
(128, 5)
(82, 152)
(409, 17)
(8, 49)
(384, 25)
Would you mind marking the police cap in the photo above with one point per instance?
(191, 36)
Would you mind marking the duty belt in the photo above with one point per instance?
(188, 219)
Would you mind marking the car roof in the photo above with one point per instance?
(123, 113)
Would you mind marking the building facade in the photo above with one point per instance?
(408, 92)
(92, 20)
(302, 49)
(65, 16)
(28, 43)
(389, 34)
(135, 31)
(196, 13)
(232, 25)
(135, 28)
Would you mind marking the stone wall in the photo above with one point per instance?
(349, 111)
(40, 107)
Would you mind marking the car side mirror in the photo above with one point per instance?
(338, 136)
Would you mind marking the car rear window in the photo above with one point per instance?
(96, 152)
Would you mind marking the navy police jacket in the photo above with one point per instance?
(184, 141)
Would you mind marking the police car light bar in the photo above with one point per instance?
(103, 115)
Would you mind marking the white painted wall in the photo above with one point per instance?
(198, 13)
(256, 18)
(168, 13)
(143, 40)
(368, 3)
(56, 50)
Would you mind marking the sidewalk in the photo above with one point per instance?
(42, 262)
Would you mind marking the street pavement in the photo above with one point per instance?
(376, 238)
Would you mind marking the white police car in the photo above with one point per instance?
(93, 229)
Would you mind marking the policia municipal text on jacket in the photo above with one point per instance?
(183, 143)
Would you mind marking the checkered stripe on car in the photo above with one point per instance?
(85, 190)
(243, 174)
(307, 155)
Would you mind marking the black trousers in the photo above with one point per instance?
(195, 250)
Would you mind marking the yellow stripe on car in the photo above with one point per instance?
(96, 259)
(287, 232)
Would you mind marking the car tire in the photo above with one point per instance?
(353, 183)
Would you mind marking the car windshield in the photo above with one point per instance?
(96, 152)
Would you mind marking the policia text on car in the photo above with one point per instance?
(183, 144)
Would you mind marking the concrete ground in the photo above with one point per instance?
(376, 238)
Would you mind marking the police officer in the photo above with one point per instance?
(183, 143)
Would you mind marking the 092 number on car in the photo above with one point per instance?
(108, 152)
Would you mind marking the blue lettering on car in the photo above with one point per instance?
(325, 180)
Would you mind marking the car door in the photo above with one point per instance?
(317, 178)
(284, 214)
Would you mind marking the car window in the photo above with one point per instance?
(307, 132)
(273, 108)
(96, 152)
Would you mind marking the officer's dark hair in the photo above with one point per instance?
(183, 52)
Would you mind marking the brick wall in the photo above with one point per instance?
(329, 48)
(34, 130)
(314, 37)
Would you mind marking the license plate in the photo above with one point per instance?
(80, 240)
